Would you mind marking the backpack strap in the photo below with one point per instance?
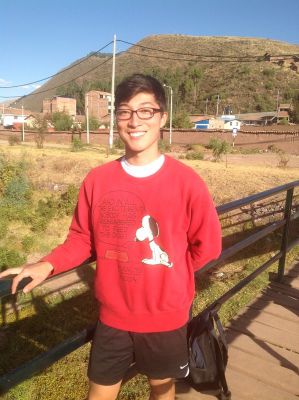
(225, 393)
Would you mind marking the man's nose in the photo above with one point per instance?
(134, 120)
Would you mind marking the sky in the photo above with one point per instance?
(39, 38)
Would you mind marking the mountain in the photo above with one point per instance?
(249, 74)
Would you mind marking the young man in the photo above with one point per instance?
(151, 223)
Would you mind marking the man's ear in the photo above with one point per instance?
(163, 119)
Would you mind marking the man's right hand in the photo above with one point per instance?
(38, 272)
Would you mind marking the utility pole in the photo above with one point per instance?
(112, 95)
(87, 119)
(217, 106)
(277, 105)
(170, 120)
(23, 130)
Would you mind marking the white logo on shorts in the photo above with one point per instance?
(183, 367)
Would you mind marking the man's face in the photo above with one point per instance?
(141, 135)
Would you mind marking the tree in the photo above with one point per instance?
(41, 126)
(181, 120)
(62, 121)
(93, 123)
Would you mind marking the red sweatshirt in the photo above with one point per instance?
(149, 236)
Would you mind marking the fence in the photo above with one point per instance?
(290, 213)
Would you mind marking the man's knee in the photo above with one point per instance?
(103, 392)
(162, 389)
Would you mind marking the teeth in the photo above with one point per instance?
(136, 134)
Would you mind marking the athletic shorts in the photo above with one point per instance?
(157, 355)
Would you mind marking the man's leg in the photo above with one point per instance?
(162, 389)
(102, 392)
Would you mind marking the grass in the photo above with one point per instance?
(41, 320)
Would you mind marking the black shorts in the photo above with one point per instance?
(158, 355)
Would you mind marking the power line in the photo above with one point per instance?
(56, 87)
(194, 59)
(209, 56)
(60, 72)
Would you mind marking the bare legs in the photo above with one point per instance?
(161, 389)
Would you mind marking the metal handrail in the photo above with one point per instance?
(47, 358)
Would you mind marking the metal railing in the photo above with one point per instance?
(290, 213)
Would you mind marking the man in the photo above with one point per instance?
(151, 223)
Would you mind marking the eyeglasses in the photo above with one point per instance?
(142, 113)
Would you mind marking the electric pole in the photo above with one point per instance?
(112, 95)
(277, 105)
(217, 106)
(87, 119)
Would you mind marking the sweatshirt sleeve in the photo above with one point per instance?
(204, 233)
(78, 246)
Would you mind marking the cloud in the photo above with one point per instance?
(4, 82)
(34, 86)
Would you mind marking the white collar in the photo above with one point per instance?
(142, 171)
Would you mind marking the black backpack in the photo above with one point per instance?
(208, 355)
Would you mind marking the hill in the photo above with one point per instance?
(243, 72)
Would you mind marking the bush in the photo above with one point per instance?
(10, 258)
(219, 148)
(194, 155)
(62, 121)
(15, 189)
(283, 159)
(28, 243)
(77, 145)
(14, 139)
(118, 144)
(94, 124)
(164, 147)
(68, 201)
(39, 138)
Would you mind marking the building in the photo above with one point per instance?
(60, 104)
(11, 116)
(225, 122)
(99, 104)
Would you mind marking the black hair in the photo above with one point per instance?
(139, 83)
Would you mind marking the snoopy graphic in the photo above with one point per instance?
(149, 230)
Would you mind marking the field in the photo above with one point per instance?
(41, 320)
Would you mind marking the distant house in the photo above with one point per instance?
(30, 121)
(9, 120)
(230, 122)
(202, 124)
(99, 104)
(222, 123)
(60, 104)
(258, 118)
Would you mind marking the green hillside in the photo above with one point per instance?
(199, 68)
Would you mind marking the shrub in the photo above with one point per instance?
(77, 145)
(10, 258)
(68, 201)
(194, 155)
(283, 159)
(14, 139)
(16, 192)
(62, 121)
(219, 148)
(28, 243)
(163, 146)
(284, 121)
(39, 138)
(118, 144)
(15, 189)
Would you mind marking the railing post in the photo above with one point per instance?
(285, 235)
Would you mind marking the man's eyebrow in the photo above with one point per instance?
(140, 105)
